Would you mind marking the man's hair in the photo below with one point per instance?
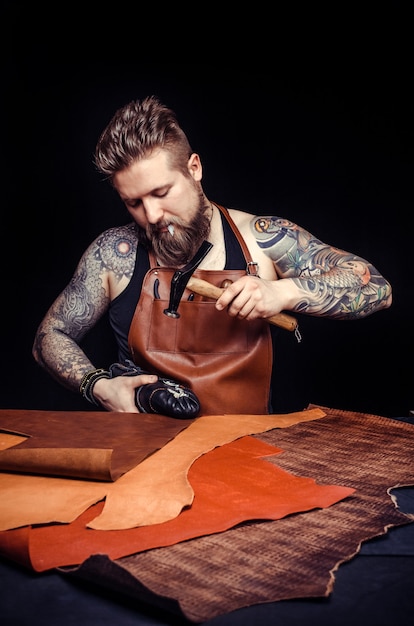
(135, 131)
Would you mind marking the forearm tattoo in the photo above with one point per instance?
(334, 283)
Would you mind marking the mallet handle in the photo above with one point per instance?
(204, 288)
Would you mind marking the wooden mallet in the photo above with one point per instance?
(204, 288)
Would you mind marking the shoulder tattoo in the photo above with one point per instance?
(116, 251)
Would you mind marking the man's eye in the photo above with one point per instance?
(133, 204)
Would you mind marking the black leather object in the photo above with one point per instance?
(165, 397)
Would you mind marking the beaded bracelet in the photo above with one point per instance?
(88, 382)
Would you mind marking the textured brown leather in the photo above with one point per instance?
(226, 361)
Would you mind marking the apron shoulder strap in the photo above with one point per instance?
(252, 267)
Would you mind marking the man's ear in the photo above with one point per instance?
(194, 167)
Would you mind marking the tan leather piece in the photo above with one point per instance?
(94, 445)
(158, 488)
(38, 498)
(73, 462)
(26, 500)
(154, 491)
(7, 440)
(232, 483)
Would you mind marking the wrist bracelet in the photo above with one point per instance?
(88, 382)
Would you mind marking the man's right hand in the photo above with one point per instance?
(118, 394)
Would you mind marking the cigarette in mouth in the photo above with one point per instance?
(170, 229)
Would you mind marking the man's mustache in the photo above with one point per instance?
(157, 229)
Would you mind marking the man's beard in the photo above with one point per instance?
(177, 248)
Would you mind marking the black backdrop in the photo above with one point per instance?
(330, 149)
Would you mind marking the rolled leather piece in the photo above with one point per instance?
(164, 397)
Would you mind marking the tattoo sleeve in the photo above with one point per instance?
(80, 306)
(333, 283)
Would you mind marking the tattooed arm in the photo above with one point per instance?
(316, 278)
(103, 271)
(73, 314)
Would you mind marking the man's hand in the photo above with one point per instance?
(251, 297)
(118, 394)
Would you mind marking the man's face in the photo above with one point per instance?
(168, 206)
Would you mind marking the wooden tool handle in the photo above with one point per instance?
(204, 288)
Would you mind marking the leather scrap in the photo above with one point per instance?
(158, 488)
(154, 491)
(293, 557)
(96, 445)
(232, 483)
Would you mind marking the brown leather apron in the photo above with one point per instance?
(225, 360)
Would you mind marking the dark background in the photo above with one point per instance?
(324, 141)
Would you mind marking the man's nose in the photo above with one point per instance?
(153, 211)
